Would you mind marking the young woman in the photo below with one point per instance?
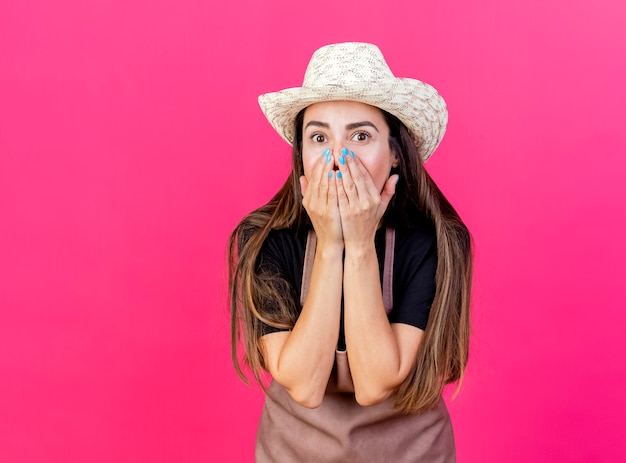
(351, 287)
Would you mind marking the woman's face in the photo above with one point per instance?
(358, 127)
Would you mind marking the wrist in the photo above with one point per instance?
(330, 249)
(358, 251)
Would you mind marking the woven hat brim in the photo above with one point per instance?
(418, 105)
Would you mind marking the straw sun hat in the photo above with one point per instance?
(358, 72)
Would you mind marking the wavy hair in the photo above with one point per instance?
(443, 353)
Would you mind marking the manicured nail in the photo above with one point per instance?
(344, 151)
(327, 152)
(327, 159)
(330, 174)
(397, 179)
(342, 159)
(338, 175)
(352, 154)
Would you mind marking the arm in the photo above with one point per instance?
(301, 360)
(381, 354)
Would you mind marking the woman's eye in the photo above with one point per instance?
(318, 138)
(361, 136)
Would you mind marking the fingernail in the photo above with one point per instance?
(330, 174)
(327, 152)
(344, 151)
(397, 179)
(342, 160)
(327, 159)
(338, 175)
(352, 154)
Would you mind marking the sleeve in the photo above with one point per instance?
(275, 272)
(414, 284)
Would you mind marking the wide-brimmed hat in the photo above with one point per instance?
(358, 72)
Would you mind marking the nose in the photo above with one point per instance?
(337, 146)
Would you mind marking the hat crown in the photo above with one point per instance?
(355, 71)
(346, 64)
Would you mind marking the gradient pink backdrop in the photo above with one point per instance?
(131, 143)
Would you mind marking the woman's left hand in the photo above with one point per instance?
(361, 205)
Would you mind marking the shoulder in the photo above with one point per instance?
(282, 254)
(285, 240)
(414, 282)
(284, 247)
(418, 240)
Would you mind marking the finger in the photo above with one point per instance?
(332, 188)
(326, 179)
(362, 179)
(388, 191)
(317, 183)
(317, 175)
(342, 197)
(350, 193)
(304, 183)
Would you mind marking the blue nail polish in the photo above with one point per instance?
(344, 151)
(338, 175)
(352, 154)
(327, 159)
(327, 152)
(342, 160)
(330, 174)
(397, 179)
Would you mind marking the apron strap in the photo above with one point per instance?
(309, 257)
(390, 245)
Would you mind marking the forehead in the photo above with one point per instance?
(343, 111)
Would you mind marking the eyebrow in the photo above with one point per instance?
(316, 124)
(354, 125)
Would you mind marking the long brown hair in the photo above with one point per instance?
(443, 353)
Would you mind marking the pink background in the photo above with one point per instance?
(131, 143)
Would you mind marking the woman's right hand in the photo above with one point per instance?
(301, 360)
(319, 198)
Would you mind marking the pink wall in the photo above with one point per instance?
(131, 143)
